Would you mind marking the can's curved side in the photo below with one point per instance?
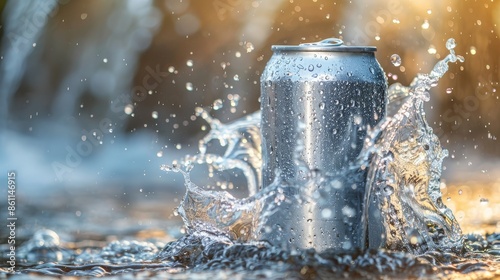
(316, 108)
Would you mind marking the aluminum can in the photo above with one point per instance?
(317, 102)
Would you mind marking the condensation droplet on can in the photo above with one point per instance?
(326, 213)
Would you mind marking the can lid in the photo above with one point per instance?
(327, 45)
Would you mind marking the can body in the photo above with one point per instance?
(317, 102)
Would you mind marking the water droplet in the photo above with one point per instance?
(451, 44)
(159, 154)
(460, 192)
(348, 211)
(346, 245)
(236, 78)
(322, 105)
(395, 60)
(426, 24)
(189, 86)
(449, 90)
(189, 63)
(432, 49)
(358, 119)
(128, 109)
(154, 115)
(217, 104)
(388, 190)
(171, 69)
(336, 184)
(414, 240)
(484, 201)
(250, 47)
(105, 60)
(310, 68)
(326, 213)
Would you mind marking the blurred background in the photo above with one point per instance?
(96, 95)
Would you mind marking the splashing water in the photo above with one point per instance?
(242, 141)
(403, 188)
(414, 234)
(403, 156)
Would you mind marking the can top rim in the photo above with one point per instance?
(316, 48)
(326, 45)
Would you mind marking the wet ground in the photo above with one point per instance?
(141, 238)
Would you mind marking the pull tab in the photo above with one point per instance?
(330, 42)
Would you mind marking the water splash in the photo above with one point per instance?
(242, 141)
(405, 209)
(404, 158)
(217, 214)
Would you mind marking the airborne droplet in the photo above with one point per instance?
(451, 44)
(217, 104)
(128, 109)
(396, 60)
(484, 201)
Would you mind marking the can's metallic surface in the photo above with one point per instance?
(317, 101)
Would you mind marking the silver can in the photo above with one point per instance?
(317, 102)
